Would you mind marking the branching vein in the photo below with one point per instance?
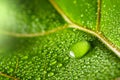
(60, 12)
(97, 33)
(71, 24)
(5, 75)
(33, 34)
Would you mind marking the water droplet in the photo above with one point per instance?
(25, 57)
(83, 22)
(104, 6)
(79, 49)
(50, 74)
(10, 70)
(66, 58)
(114, 6)
(74, 29)
(49, 68)
(59, 65)
(53, 63)
(88, 22)
(81, 15)
(55, 55)
(74, 2)
(44, 72)
(86, 10)
(76, 78)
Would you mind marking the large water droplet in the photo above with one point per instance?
(79, 49)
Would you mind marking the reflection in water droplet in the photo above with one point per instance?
(72, 54)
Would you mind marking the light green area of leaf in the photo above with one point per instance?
(47, 57)
(29, 17)
(82, 12)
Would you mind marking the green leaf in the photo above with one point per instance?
(36, 39)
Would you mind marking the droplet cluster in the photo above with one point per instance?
(47, 57)
(110, 21)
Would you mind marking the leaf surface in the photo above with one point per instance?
(38, 42)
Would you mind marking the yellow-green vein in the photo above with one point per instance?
(98, 16)
(5, 75)
(33, 34)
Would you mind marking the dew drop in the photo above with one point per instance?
(59, 65)
(49, 68)
(10, 70)
(44, 72)
(83, 22)
(53, 63)
(104, 6)
(66, 58)
(25, 57)
(50, 74)
(114, 6)
(81, 15)
(74, 2)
